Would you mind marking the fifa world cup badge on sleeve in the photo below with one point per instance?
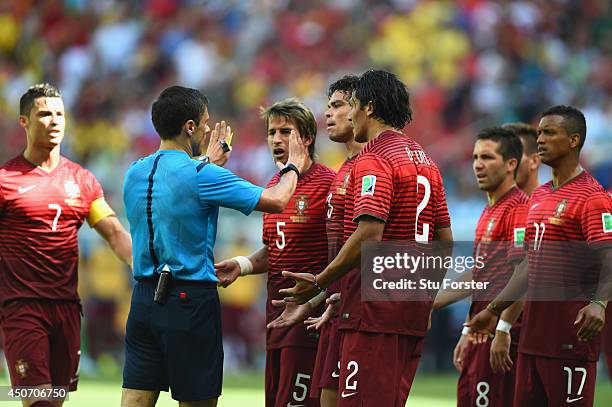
(606, 220)
(368, 183)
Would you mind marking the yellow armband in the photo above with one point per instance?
(98, 210)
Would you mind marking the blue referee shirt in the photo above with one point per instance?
(172, 203)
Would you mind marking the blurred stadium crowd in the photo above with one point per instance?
(468, 64)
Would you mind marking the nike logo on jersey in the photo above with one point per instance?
(570, 400)
(335, 374)
(23, 190)
(534, 205)
(345, 395)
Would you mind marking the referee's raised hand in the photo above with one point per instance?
(298, 152)
(220, 144)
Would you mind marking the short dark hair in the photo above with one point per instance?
(389, 97)
(528, 135)
(346, 84)
(510, 145)
(573, 120)
(294, 109)
(40, 90)
(174, 107)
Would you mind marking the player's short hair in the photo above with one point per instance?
(389, 97)
(510, 145)
(528, 135)
(40, 90)
(573, 120)
(174, 107)
(346, 84)
(293, 109)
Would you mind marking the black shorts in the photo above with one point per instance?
(177, 345)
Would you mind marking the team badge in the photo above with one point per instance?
(301, 204)
(519, 237)
(345, 182)
(561, 207)
(21, 367)
(489, 231)
(606, 220)
(73, 193)
(368, 183)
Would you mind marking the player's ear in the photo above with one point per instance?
(574, 140)
(369, 108)
(189, 127)
(307, 140)
(24, 121)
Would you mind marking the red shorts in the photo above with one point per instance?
(327, 364)
(478, 385)
(42, 342)
(288, 377)
(542, 381)
(377, 369)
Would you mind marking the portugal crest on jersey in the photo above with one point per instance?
(301, 203)
(561, 207)
(21, 368)
(345, 182)
(73, 193)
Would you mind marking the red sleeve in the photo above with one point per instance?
(596, 220)
(2, 200)
(264, 236)
(373, 187)
(441, 216)
(517, 230)
(93, 189)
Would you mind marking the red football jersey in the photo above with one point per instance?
(563, 226)
(296, 240)
(335, 215)
(499, 240)
(395, 181)
(40, 214)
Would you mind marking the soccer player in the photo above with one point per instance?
(560, 340)
(293, 240)
(527, 175)
(340, 130)
(496, 160)
(173, 334)
(44, 199)
(398, 195)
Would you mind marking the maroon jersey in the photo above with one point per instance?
(499, 240)
(577, 213)
(395, 181)
(40, 214)
(296, 241)
(335, 215)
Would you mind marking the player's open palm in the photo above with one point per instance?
(591, 319)
(303, 290)
(499, 356)
(332, 309)
(219, 146)
(460, 351)
(482, 326)
(292, 314)
(227, 272)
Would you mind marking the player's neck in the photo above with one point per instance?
(565, 172)
(377, 128)
(531, 185)
(353, 148)
(177, 143)
(43, 158)
(494, 196)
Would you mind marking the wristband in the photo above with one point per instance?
(318, 299)
(466, 330)
(503, 326)
(289, 167)
(246, 267)
(600, 303)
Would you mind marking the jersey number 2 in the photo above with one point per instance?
(422, 237)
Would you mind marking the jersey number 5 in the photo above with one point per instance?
(280, 244)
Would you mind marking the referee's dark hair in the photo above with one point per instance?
(510, 145)
(389, 97)
(40, 90)
(573, 121)
(174, 107)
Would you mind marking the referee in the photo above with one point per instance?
(173, 335)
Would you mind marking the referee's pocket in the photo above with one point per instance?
(198, 315)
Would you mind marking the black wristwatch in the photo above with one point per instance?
(289, 167)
